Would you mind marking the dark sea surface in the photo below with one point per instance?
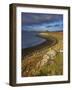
(30, 39)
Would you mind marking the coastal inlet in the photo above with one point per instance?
(42, 54)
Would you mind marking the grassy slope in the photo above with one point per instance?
(31, 56)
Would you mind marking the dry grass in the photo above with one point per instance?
(33, 56)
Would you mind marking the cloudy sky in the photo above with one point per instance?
(42, 22)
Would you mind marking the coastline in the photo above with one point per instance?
(50, 41)
(32, 57)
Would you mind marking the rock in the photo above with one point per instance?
(45, 57)
(43, 61)
(51, 53)
(61, 51)
(38, 64)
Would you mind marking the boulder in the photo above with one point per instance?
(51, 53)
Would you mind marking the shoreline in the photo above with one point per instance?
(50, 41)
(36, 60)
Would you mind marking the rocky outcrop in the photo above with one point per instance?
(50, 55)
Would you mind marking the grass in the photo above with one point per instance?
(31, 57)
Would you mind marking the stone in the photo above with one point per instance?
(61, 51)
(45, 57)
(51, 53)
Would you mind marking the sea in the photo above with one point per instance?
(30, 39)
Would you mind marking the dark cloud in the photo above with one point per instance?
(37, 18)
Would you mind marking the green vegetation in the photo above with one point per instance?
(54, 68)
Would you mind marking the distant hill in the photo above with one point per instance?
(42, 31)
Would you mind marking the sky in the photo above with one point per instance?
(42, 22)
